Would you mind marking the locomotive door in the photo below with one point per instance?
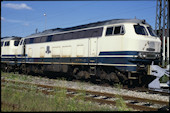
(21, 48)
(93, 50)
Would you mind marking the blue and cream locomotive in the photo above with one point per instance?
(114, 50)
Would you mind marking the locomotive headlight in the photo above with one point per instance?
(148, 55)
(140, 55)
(144, 56)
(158, 55)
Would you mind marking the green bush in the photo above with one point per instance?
(164, 79)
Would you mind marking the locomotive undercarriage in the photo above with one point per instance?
(103, 74)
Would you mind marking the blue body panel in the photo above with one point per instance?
(121, 63)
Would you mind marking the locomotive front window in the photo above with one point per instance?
(152, 33)
(16, 43)
(140, 30)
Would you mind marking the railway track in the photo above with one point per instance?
(136, 88)
(100, 97)
(146, 90)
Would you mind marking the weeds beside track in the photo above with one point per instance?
(104, 98)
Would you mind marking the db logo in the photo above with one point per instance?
(48, 50)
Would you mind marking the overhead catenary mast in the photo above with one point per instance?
(162, 28)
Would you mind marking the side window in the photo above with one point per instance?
(117, 30)
(55, 38)
(75, 35)
(81, 34)
(2, 44)
(27, 41)
(109, 31)
(7, 43)
(67, 36)
(16, 43)
(37, 40)
(94, 33)
(60, 37)
(49, 38)
(43, 39)
(31, 40)
(87, 33)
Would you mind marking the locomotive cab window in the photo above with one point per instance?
(16, 43)
(7, 43)
(117, 30)
(109, 31)
(140, 30)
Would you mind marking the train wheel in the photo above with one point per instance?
(130, 83)
(23, 69)
(102, 75)
(75, 71)
(86, 75)
(3, 67)
(7, 68)
(113, 77)
(80, 75)
(20, 70)
(28, 70)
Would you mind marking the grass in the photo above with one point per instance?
(120, 103)
(15, 76)
(33, 101)
(37, 101)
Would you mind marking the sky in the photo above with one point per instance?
(22, 18)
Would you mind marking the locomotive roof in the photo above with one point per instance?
(95, 24)
(10, 38)
(106, 22)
